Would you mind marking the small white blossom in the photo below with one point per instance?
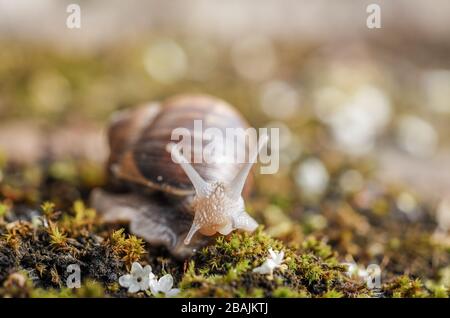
(274, 260)
(163, 285)
(138, 279)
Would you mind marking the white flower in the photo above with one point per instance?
(138, 279)
(163, 285)
(274, 260)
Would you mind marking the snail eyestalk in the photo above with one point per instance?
(194, 228)
(200, 185)
(237, 185)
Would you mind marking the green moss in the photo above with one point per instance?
(81, 218)
(64, 171)
(57, 237)
(69, 232)
(222, 269)
(129, 248)
(47, 251)
(17, 284)
(52, 293)
(225, 269)
(333, 294)
(4, 208)
(319, 248)
(3, 159)
(48, 209)
(88, 289)
(285, 292)
(403, 286)
(437, 290)
(239, 248)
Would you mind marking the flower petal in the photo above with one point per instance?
(144, 283)
(154, 288)
(125, 280)
(173, 292)
(270, 264)
(258, 270)
(279, 258)
(165, 283)
(272, 254)
(134, 288)
(147, 270)
(263, 269)
(136, 268)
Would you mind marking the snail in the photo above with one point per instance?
(168, 201)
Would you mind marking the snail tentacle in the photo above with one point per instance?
(194, 228)
(237, 185)
(201, 186)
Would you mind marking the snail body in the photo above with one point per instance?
(169, 199)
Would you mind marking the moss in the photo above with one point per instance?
(46, 249)
(403, 286)
(17, 284)
(91, 289)
(239, 248)
(129, 248)
(57, 237)
(363, 225)
(437, 290)
(51, 293)
(43, 241)
(64, 170)
(225, 269)
(285, 292)
(48, 209)
(333, 294)
(81, 218)
(88, 289)
(8, 261)
(4, 208)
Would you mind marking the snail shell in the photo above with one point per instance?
(171, 200)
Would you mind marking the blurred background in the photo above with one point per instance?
(364, 114)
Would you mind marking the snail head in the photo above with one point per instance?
(218, 206)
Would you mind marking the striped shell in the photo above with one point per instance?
(138, 140)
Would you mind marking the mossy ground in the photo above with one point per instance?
(53, 93)
(38, 241)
